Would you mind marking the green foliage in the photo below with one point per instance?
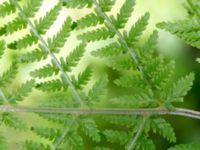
(3, 144)
(187, 29)
(194, 146)
(142, 77)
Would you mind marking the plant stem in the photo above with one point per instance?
(133, 141)
(104, 111)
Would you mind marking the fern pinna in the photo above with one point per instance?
(67, 98)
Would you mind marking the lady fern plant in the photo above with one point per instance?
(83, 111)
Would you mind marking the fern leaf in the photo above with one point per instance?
(47, 133)
(52, 85)
(46, 71)
(82, 78)
(89, 20)
(162, 127)
(73, 58)
(115, 136)
(123, 62)
(89, 127)
(30, 145)
(24, 42)
(43, 24)
(102, 148)
(13, 26)
(97, 90)
(106, 5)
(6, 8)
(2, 48)
(194, 146)
(179, 89)
(144, 143)
(95, 35)
(8, 75)
(110, 50)
(32, 7)
(59, 39)
(76, 3)
(136, 30)
(21, 92)
(11, 121)
(35, 55)
(128, 81)
(125, 13)
(134, 101)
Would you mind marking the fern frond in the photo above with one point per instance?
(43, 24)
(145, 143)
(194, 146)
(124, 14)
(179, 89)
(106, 5)
(162, 127)
(8, 75)
(89, 127)
(7, 8)
(52, 85)
(134, 101)
(35, 55)
(82, 78)
(24, 42)
(109, 50)
(59, 39)
(136, 30)
(11, 121)
(97, 90)
(115, 136)
(30, 145)
(13, 26)
(76, 3)
(89, 20)
(21, 92)
(96, 35)
(32, 7)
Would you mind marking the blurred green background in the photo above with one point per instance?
(186, 129)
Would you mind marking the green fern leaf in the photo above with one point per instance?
(7, 8)
(11, 121)
(179, 89)
(95, 35)
(125, 13)
(136, 30)
(194, 146)
(43, 24)
(106, 5)
(30, 145)
(109, 50)
(160, 126)
(144, 143)
(89, 20)
(21, 92)
(76, 3)
(32, 7)
(115, 136)
(82, 78)
(59, 39)
(8, 75)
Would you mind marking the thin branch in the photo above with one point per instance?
(104, 111)
(3, 95)
(133, 141)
